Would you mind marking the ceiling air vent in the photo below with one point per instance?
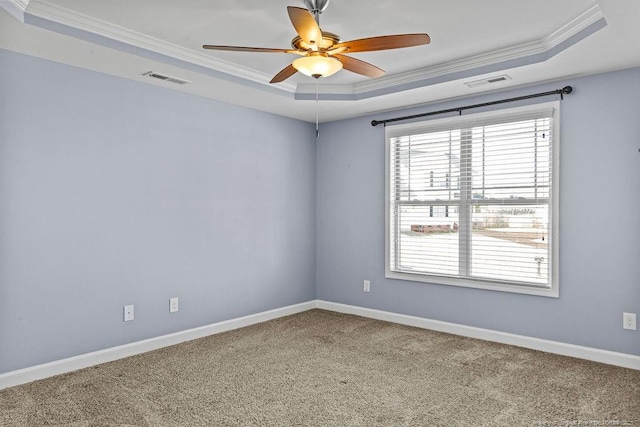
(488, 81)
(166, 78)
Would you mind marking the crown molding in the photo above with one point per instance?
(452, 67)
(529, 52)
(525, 50)
(75, 20)
(333, 89)
(574, 27)
(16, 8)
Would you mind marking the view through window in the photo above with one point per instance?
(470, 199)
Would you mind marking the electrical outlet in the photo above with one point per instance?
(629, 321)
(173, 305)
(367, 286)
(128, 313)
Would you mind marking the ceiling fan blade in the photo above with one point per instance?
(384, 42)
(305, 25)
(283, 75)
(247, 49)
(359, 67)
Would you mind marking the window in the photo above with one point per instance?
(472, 200)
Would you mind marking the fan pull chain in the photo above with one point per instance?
(317, 105)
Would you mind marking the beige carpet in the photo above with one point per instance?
(321, 368)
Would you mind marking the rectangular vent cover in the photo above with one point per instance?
(488, 81)
(166, 78)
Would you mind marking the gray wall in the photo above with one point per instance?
(599, 224)
(114, 192)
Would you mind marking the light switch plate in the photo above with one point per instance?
(173, 305)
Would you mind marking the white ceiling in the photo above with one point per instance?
(530, 41)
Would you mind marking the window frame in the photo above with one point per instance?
(476, 119)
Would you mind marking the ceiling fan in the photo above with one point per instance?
(323, 53)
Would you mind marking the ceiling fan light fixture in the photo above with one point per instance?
(322, 52)
(317, 66)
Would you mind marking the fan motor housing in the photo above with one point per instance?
(328, 40)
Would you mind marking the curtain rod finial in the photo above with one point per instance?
(567, 90)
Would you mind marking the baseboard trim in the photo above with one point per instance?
(74, 363)
(597, 355)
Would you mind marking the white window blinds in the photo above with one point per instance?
(470, 199)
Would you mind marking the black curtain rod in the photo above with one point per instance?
(564, 91)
